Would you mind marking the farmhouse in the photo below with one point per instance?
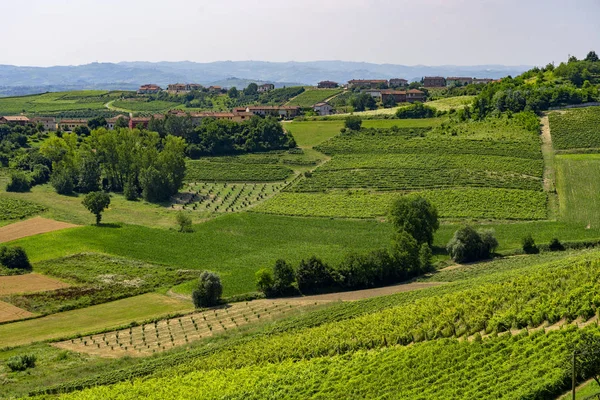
(482, 80)
(49, 123)
(275, 111)
(434, 81)
(399, 96)
(376, 93)
(327, 85)
(70, 124)
(266, 87)
(367, 83)
(112, 122)
(322, 108)
(149, 89)
(139, 122)
(15, 119)
(398, 82)
(215, 89)
(413, 95)
(182, 88)
(458, 81)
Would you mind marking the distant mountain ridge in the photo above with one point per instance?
(129, 75)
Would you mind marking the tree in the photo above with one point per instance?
(82, 131)
(467, 245)
(416, 110)
(251, 89)
(19, 182)
(264, 281)
(312, 275)
(591, 56)
(353, 122)
(97, 122)
(416, 216)
(208, 291)
(96, 203)
(62, 180)
(233, 93)
(184, 221)
(425, 256)
(14, 258)
(283, 278)
(89, 173)
(121, 122)
(405, 253)
(556, 245)
(529, 246)
(390, 102)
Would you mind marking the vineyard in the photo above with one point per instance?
(577, 128)
(49, 103)
(211, 170)
(144, 105)
(577, 177)
(17, 209)
(310, 97)
(470, 203)
(224, 197)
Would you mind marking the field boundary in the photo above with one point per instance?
(549, 174)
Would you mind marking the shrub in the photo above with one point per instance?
(264, 281)
(21, 363)
(469, 245)
(208, 291)
(184, 221)
(353, 122)
(405, 255)
(40, 174)
(529, 246)
(19, 182)
(62, 181)
(283, 278)
(130, 190)
(556, 245)
(313, 275)
(416, 110)
(14, 258)
(425, 256)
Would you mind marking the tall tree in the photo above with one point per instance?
(416, 216)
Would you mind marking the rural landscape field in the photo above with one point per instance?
(299, 230)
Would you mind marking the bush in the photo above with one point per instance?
(264, 281)
(208, 291)
(556, 245)
(425, 256)
(14, 258)
(416, 110)
(529, 246)
(21, 363)
(19, 182)
(353, 122)
(283, 278)
(313, 275)
(40, 174)
(130, 190)
(184, 221)
(62, 181)
(469, 245)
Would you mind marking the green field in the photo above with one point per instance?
(451, 102)
(577, 128)
(17, 209)
(226, 170)
(56, 102)
(577, 177)
(142, 105)
(310, 97)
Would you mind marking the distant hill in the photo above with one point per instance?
(129, 75)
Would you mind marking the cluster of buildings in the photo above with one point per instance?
(440, 81)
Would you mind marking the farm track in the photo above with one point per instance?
(30, 227)
(549, 177)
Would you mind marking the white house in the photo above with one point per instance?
(322, 108)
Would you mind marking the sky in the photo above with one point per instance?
(415, 32)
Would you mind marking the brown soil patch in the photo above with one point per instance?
(29, 283)
(8, 312)
(30, 227)
(368, 293)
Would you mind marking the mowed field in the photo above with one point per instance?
(310, 97)
(577, 177)
(57, 102)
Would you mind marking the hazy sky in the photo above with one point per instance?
(430, 32)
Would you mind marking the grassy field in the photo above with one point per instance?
(56, 102)
(142, 105)
(577, 128)
(232, 170)
(104, 316)
(451, 102)
(235, 245)
(310, 97)
(577, 177)
(11, 209)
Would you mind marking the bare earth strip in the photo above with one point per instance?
(30, 227)
(8, 312)
(29, 283)
(368, 293)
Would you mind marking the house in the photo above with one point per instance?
(215, 89)
(274, 111)
(49, 123)
(322, 108)
(399, 96)
(139, 122)
(327, 85)
(14, 119)
(182, 88)
(69, 125)
(367, 83)
(265, 88)
(149, 89)
(398, 82)
(485, 81)
(458, 81)
(112, 122)
(413, 95)
(376, 93)
(434, 81)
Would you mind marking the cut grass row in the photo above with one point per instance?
(310, 97)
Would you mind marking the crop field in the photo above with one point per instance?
(163, 335)
(310, 97)
(17, 209)
(8, 312)
(56, 102)
(577, 128)
(223, 197)
(577, 177)
(456, 103)
(143, 105)
(218, 170)
(470, 203)
(318, 350)
(30, 227)
(104, 316)
(29, 283)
